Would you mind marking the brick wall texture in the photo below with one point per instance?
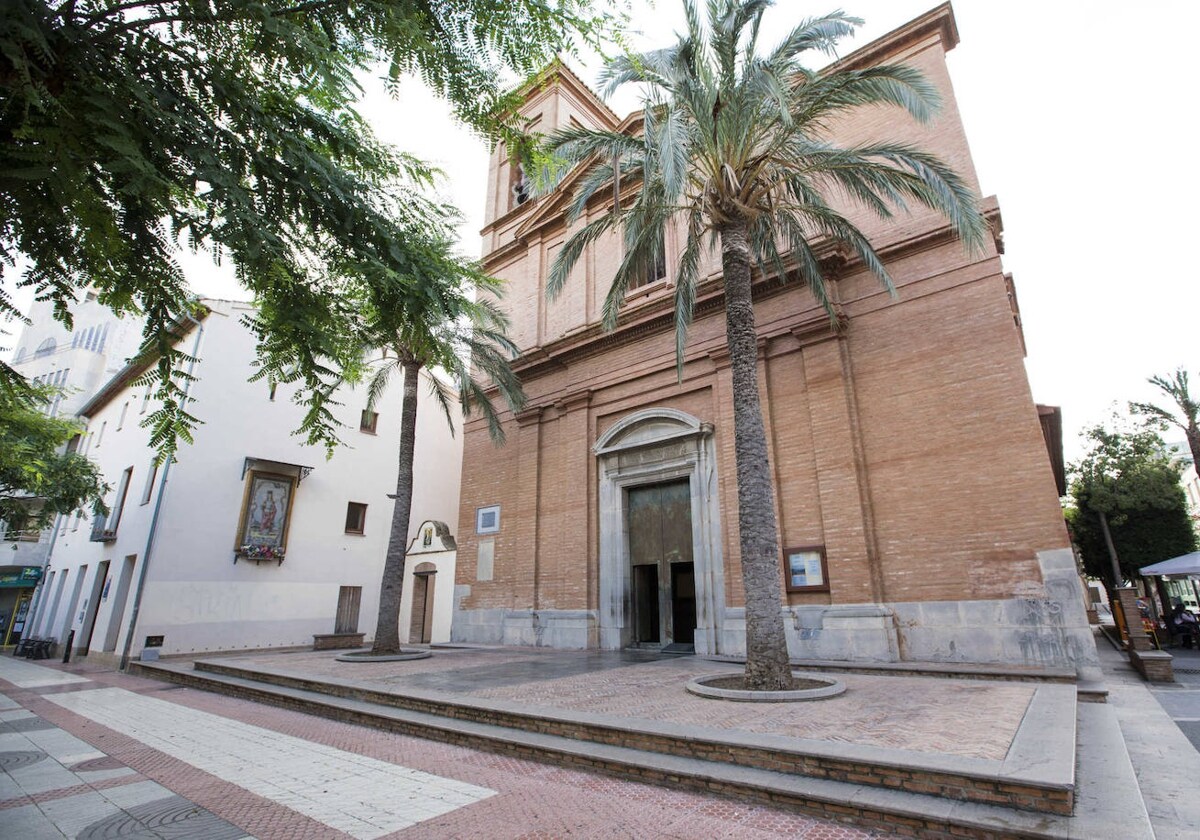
(907, 443)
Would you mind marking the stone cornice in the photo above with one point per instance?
(938, 21)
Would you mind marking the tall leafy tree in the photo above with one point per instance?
(38, 479)
(1184, 413)
(130, 127)
(1128, 508)
(442, 319)
(735, 145)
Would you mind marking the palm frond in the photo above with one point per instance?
(565, 261)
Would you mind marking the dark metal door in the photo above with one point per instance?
(660, 536)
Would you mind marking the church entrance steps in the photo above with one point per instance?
(1026, 793)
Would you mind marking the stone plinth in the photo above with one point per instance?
(337, 641)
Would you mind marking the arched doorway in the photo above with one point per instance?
(662, 579)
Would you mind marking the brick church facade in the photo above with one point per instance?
(917, 508)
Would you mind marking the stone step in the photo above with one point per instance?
(1109, 804)
(1037, 775)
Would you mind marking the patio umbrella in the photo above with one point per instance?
(1177, 567)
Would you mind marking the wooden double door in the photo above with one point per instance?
(662, 574)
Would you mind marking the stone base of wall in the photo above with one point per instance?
(564, 629)
(1047, 627)
(841, 632)
(1044, 626)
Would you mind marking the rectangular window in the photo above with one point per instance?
(657, 271)
(100, 437)
(145, 402)
(121, 420)
(148, 490)
(487, 520)
(356, 517)
(114, 519)
(368, 422)
(806, 569)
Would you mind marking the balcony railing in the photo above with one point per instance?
(101, 533)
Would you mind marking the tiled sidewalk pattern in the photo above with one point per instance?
(355, 794)
(55, 785)
(912, 713)
(27, 675)
(165, 797)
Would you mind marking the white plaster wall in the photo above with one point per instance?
(442, 554)
(196, 596)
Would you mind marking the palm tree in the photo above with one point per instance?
(1183, 414)
(434, 323)
(735, 145)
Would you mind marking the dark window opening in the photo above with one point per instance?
(368, 422)
(655, 271)
(356, 517)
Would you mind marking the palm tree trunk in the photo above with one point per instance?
(1192, 431)
(387, 628)
(1112, 550)
(767, 666)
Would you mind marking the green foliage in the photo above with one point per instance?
(130, 128)
(37, 479)
(1184, 414)
(736, 134)
(444, 318)
(1128, 475)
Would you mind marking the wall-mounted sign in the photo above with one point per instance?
(15, 577)
(805, 569)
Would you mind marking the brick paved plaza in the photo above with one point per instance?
(910, 713)
(94, 754)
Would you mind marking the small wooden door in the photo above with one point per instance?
(349, 601)
(420, 628)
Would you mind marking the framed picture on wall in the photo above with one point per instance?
(266, 516)
(805, 569)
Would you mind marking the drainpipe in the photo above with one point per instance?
(162, 488)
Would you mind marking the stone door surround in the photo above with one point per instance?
(652, 446)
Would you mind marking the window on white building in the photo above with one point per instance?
(356, 518)
(148, 491)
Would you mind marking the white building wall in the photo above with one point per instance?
(196, 596)
(441, 554)
(83, 359)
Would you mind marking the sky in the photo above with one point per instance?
(1074, 111)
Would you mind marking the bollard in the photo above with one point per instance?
(67, 649)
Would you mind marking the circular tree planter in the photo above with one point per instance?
(367, 656)
(725, 687)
